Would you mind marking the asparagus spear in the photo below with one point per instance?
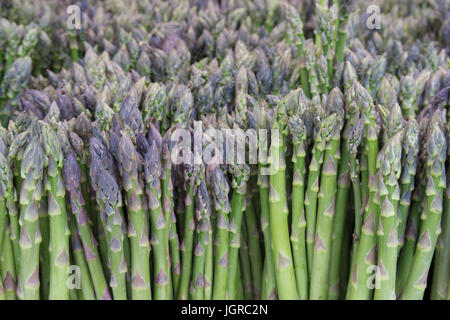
(366, 255)
(202, 217)
(32, 167)
(352, 145)
(190, 173)
(298, 231)
(441, 275)
(268, 287)
(222, 206)
(44, 252)
(429, 229)
(152, 172)
(413, 224)
(8, 270)
(240, 175)
(5, 182)
(109, 199)
(15, 156)
(59, 231)
(86, 291)
(326, 204)
(130, 167)
(15, 79)
(209, 264)
(72, 179)
(246, 272)
(312, 188)
(409, 165)
(254, 249)
(296, 24)
(389, 164)
(282, 255)
(344, 10)
(169, 214)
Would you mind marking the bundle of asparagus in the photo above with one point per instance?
(224, 150)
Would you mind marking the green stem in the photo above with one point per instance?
(245, 266)
(8, 269)
(139, 243)
(59, 235)
(86, 290)
(187, 245)
(387, 228)
(339, 224)
(312, 190)
(366, 255)
(209, 266)
(269, 290)
(237, 207)
(284, 267)
(157, 241)
(430, 226)
(441, 274)
(356, 187)
(44, 252)
(407, 252)
(254, 249)
(325, 214)
(221, 243)
(298, 233)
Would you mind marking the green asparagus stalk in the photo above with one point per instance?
(254, 249)
(269, 290)
(44, 250)
(130, 167)
(15, 155)
(152, 172)
(326, 211)
(344, 10)
(202, 217)
(413, 224)
(441, 275)
(340, 218)
(32, 166)
(59, 231)
(14, 80)
(72, 179)
(169, 214)
(389, 164)
(298, 231)
(239, 184)
(5, 182)
(109, 199)
(244, 259)
(297, 25)
(409, 166)
(86, 290)
(352, 145)
(366, 255)
(312, 188)
(190, 173)
(209, 264)
(222, 206)
(8, 269)
(281, 247)
(430, 226)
